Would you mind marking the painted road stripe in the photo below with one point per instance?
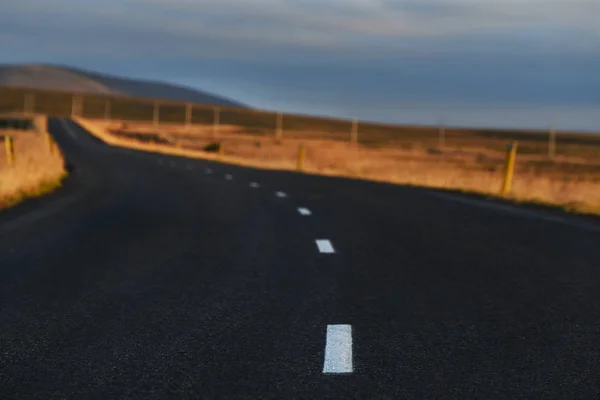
(304, 211)
(280, 194)
(522, 212)
(338, 350)
(228, 177)
(69, 131)
(325, 246)
(254, 184)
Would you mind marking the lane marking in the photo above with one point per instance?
(69, 131)
(304, 211)
(325, 246)
(338, 350)
(208, 171)
(522, 212)
(254, 184)
(47, 210)
(228, 177)
(280, 194)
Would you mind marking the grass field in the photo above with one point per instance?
(468, 159)
(35, 170)
(570, 182)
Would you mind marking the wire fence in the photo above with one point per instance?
(159, 112)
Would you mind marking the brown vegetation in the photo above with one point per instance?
(35, 171)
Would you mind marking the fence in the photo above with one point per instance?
(254, 122)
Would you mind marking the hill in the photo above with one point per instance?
(76, 80)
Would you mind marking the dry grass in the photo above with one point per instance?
(572, 183)
(35, 171)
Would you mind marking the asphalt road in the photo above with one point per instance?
(156, 277)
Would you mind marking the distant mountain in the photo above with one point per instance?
(77, 80)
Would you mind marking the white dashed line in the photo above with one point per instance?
(280, 194)
(325, 246)
(304, 211)
(228, 177)
(254, 184)
(338, 350)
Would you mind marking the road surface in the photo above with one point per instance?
(156, 277)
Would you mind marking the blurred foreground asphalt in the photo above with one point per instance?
(154, 277)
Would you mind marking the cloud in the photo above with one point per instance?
(283, 32)
(332, 23)
(303, 31)
(415, 18)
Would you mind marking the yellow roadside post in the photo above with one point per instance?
(221, 152)
(50, 143)
(10, 150)
(301, 156)
(509, 168)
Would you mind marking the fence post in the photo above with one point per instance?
(301, 157)
(10, 150)
(188, 116)
(156, 114)
(216, 121)
(509, 168)
(29, 103)
(76, 106)
(107, 110)
(552, 142)
(279, 125)
(354, 131)
(442, 134)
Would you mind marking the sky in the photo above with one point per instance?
(496, 63)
